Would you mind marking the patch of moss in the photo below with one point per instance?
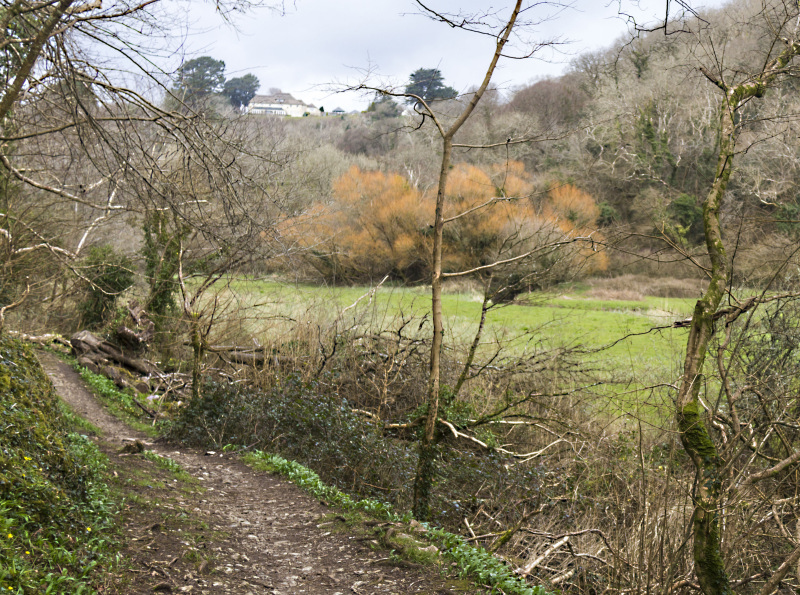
(707, 555)
(694, 433)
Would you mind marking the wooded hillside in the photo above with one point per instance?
(640, 437)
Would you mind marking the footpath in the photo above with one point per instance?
(204, 523)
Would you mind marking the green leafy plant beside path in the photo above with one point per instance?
(473, 562)
(56, 512)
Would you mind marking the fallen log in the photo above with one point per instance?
(92, 347)
(239, 357)
(253, 356)
(137, 331)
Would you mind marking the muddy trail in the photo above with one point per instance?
(215, 525)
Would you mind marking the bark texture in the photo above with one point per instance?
(695, 437)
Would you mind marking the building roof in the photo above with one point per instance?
(277, 99)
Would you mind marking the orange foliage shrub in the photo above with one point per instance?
(573, 207)
(511, 179)
(371, 229)
(378, 224)
(493, 221)
(576, 213)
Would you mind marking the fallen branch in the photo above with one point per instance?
(562, 577)
(41, 339)
(516, 455)
(528, 568)
(597, 532)
(151, 414)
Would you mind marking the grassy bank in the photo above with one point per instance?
(56, 512)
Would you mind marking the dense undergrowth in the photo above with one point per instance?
(56, 512)
(298, 420)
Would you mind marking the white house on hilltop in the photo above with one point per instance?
(280, 104)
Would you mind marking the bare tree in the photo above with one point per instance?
(738, 90)
(508, 31)
(83, 141)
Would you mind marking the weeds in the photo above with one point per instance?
(119, 403)
(310, 482)
(169, 465)
(480, 565)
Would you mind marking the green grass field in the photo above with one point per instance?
(616, 334)
(628, 345)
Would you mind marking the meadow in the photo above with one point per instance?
(629, 342)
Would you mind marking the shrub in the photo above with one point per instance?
(106, 274)
(608, 214)
(788, 218)
(379, 224)
(687, 218)
(299, 421)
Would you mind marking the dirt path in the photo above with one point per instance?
(230, 529)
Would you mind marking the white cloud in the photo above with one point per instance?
(320, 43)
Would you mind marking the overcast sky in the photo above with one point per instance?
(319, 44)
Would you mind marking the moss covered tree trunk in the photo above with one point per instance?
(694, 433)
(198, 351)
(695, 437)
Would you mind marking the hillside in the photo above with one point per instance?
(558, 321)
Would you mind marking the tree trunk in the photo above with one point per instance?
(695, 437)
(198, 350)
(427, 447)
(86, 344)
(48, 26)
(423, 481)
